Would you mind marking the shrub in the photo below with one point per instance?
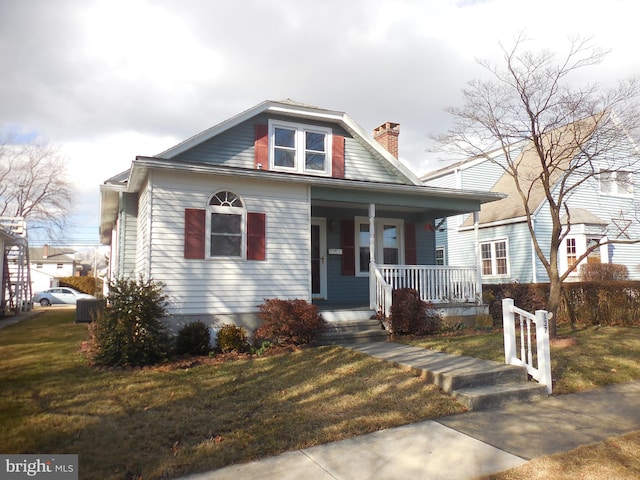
(411, 315)
(603, 272)
(193, 339)
(482, 321)
(529, 297)
(289, 322)
(129, 331)
(232, 339)
(90, 285)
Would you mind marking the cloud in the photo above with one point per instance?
(109, 80)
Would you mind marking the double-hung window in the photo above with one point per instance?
(300, 148)
(617, 183)
(389, 243)
(494, 257)
(226, 214)
(572, 252)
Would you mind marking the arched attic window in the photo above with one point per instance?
(224, 230)
(226, 216)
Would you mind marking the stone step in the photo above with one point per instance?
(347, 315)
(350, 326)
(351, 337)
(476, 383)
(490, 396)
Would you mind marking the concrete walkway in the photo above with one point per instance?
(458, 447)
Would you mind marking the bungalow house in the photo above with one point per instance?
(601, 208)
(284, 200)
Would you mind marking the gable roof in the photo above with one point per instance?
(54, 255)
(566, 142)
(302, 111)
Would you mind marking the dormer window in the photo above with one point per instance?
(298, 148)
(616, 183)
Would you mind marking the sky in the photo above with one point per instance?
(107, 80)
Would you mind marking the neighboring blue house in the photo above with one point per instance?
(284, 200)
(604, 207)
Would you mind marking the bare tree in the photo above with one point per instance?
(530, 107)
(33, 183)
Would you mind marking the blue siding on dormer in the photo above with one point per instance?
(235, 148)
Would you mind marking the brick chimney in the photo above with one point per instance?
(45, 251)
(387, 136)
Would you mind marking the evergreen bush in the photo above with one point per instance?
(193, 339)
(129, 330)
(232, 338)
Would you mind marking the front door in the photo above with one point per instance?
(318, 258)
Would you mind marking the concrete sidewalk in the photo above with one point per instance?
(458, 447)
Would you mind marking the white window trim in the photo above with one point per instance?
(380, 223)
(242, 211)
(444, 255)
(617, 189)
(494, 266)
(581, 246)
(300, 129)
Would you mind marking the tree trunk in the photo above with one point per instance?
(553, 302)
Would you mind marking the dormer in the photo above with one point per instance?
(292, 147)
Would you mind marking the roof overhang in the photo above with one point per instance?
(323, 190)
(109, 201)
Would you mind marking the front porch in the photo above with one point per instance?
(446, 288)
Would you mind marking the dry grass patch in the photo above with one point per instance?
(163, 423)
(616, 458)
(584, 359)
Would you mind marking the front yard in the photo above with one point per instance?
(164, 422)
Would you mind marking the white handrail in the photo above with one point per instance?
(382, 294)
(526, 359)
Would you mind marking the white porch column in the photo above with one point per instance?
(476, 240)
(372, 233)
(372, 254)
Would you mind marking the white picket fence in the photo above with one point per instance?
(512, 315)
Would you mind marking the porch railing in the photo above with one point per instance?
(436, 284)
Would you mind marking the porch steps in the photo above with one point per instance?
(475, 383)
(351, 326)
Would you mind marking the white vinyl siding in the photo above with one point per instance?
(143, 234)
(230, 285)
(127, 232)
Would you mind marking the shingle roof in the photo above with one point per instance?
(565, 143)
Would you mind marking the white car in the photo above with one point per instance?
(59, 295)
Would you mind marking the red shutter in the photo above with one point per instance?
(348, 247)
(410, 251)
(194, 233)
(337, 157)
(261, 147)
(256, 236)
